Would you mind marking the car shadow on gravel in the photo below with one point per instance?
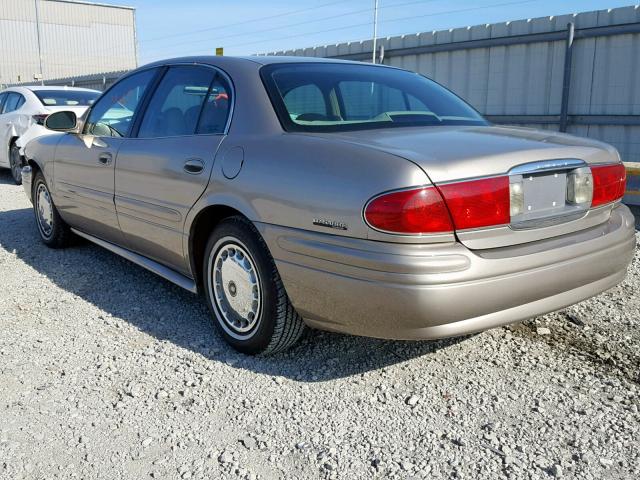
(125, 291)
(6, 178)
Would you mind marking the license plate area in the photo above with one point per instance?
(541, 196)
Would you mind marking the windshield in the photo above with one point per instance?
(314, 97)
(66, 98)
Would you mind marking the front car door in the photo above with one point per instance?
(85, 163)
(162, 171)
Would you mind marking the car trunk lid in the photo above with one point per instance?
(540, 167)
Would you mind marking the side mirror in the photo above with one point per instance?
(61, 121)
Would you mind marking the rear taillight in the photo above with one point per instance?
(40, 118)
(478, 203)
(609, 182)
(415, 211)
(486, 202)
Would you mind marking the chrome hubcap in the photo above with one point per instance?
(44, 210)
(236, 288)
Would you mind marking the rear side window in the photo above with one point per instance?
(215, 111)
(11, 103)
(3, 97)
(188, 100)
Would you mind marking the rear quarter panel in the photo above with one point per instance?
(291, 180)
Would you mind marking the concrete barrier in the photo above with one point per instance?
(632, 195)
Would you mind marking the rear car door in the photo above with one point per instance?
(84, 163)
(162, 172)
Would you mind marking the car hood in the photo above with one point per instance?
(454, 153)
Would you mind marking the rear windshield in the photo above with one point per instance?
(338, 97)
(66, 98)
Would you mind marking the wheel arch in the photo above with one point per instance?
(204, 221)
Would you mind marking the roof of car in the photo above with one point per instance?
(261, 60)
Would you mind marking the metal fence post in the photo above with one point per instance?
(566, 81)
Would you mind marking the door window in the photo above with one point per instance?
(3, 97)
(215, 112)
(21, 101)
(11, 103)
(178, 102)
(112, 115)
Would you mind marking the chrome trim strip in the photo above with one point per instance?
(144, 262)
(547, 166)
(515, 170)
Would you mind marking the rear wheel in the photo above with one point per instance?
(15, 162)
(54, 232)
(245, 293)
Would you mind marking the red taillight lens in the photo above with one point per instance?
(478, 203)
(415, 211)
(609, 183)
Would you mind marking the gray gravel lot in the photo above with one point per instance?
(107, 371)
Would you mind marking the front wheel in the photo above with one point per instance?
(245, 293)
(15, 162)
(54, 232)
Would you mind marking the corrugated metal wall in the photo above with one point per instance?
(523, 77)
(76, 38)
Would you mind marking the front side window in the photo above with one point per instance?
(112, 115)
(66, 98)
(337, 97)
(188, 100)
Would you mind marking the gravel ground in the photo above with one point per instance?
(107, 371)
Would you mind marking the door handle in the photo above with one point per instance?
(193, 166)
(105, 158)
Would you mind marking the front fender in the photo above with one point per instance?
(40, 152)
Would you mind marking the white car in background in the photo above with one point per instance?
(22, 114)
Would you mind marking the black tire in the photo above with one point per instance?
(57, 233)
(277, 325)
(15, 163)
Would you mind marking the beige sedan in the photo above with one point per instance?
(344, 196)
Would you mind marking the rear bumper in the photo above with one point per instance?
(405, 291)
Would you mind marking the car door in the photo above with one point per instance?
(84, 163)
(163, 170)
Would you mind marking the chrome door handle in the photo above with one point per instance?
(193, 166)
(105, 158)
